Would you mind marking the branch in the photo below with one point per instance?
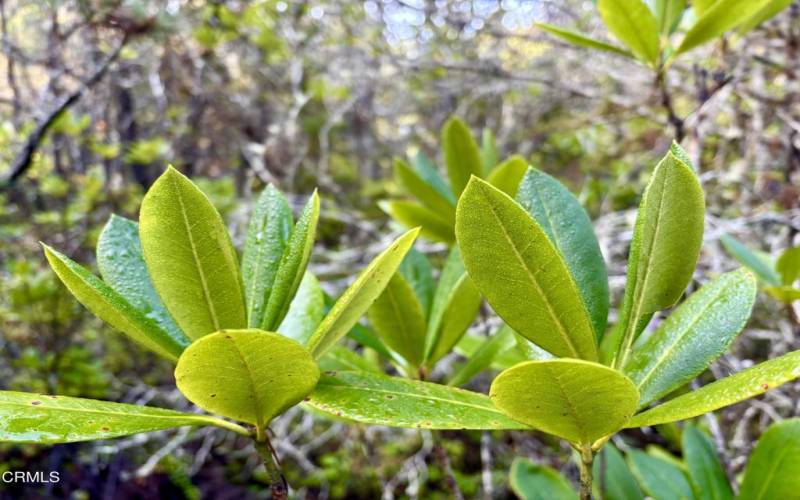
(24, 158)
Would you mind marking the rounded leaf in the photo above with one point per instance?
(574, 399)
(247, 375)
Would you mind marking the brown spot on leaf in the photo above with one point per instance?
(35, 403)
(104, 429)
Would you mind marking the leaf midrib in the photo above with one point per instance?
(529, 274)
(201, 273)
(645, 46)
(253, 386)
(570, 405)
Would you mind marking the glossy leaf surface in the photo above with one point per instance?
(773, 470)
(706, 475)
(190, 257)
(247, 375)
(632, 23)
(520, 272)
(576, 400)
(358, 298)
(36, 418)
(293, 265)
(267, 235)
(567, 225)
(724, 392)
(121, 264)
(382, 400)
(694, 335)
(530, 481)
(111, 307)
(462, 157)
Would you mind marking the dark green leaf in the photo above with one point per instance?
(417, 270)
(530, 481)
(660, 479)
(611, 473)
(705, 472)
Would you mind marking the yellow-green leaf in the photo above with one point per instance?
(462, 157)
(425, 193)
(434, 227)
(507, 176)
(247, 375)
(582, 40)
(577, 400)
(306, 312)
(706, 475)
(788, 265)
(632, 23)
(773, 470)
(514, 264)
(190, 257)
(398, 318)
(720, 17)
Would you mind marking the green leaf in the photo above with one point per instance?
(724, 392)
(767, 12)
(530, 481)
(785, 294)
(455, 305)
(693, 336)
(577, 400)
(417, 270)
(434, 227)
(568, 227)
(705, 472)
(581, 40)
(382, 400)
(507, 176)
(489, 156)
(36, 418)
(340, 358)
(634, 25)
(759, 263)
(462, 157)
(720, 17)
(773, 470)
(483, 356)
(664, 249)
(355, 301)
(668, 14)
(425, 168)
(520, 272)
(427, 194)
(660, 479)
(788, 265)
(398, 318)
(267, 234)
(701, 6)
(247, 375)
(293, 265)
(612, 474)
(111, 307)
(121, 264)
(190, 257)
(306, 312)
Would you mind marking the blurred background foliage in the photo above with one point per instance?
(98, 96)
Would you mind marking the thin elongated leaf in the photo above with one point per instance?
(426, 169)
(425, 193)
(340, 358)
(355, 301)
(397, 316)
(455, 305)
(632, 23)
(724, 392)
(292, 266)
(757, 262)
(773, 470)
(568, 227)
(36, 418)
(267, 235)
(462, 157)
(483, 356)
(582, 40)
(720, 17)
(574, 399)
(121, 264)
(668, 14)
(530, 481)
(434, 227)
(788, 265)
(507, 176)
(190, 257)
(111, 307)
(247, 375)
(417, 270)
(660, 479)
(613, 479)
(469, 345)
(520, 272)
(767, 12)
(665, 246)
(693, 336)
(489, 156)
(306, 312)
(706, 476)
(382, 400)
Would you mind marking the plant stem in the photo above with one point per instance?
(279, 488)
(587, 457)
